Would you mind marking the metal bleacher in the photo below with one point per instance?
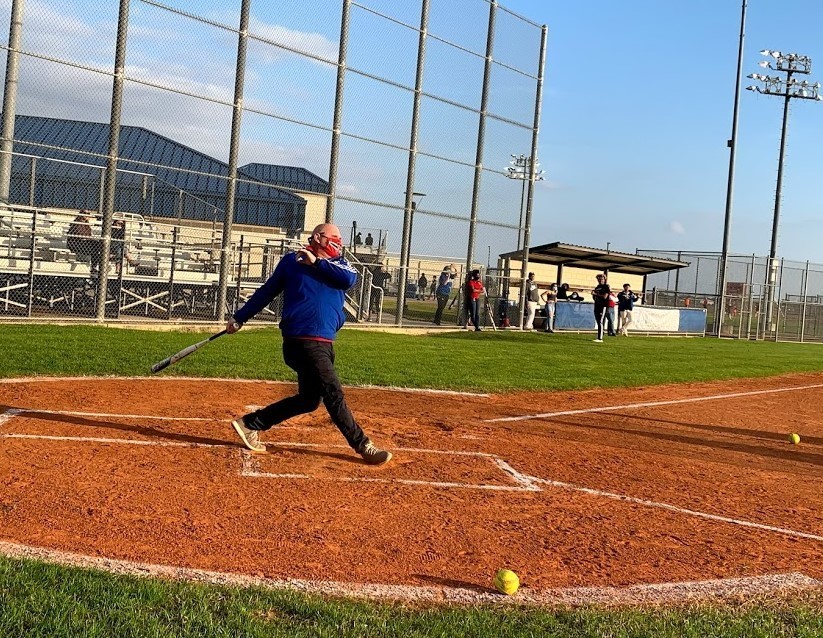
(167, 270)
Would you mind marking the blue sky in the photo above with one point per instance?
(637, 108)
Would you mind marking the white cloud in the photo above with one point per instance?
(313, 43)
(677, 228)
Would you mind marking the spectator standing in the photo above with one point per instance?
(611, 313)
(532, 301)
(422, 284)
(358, 239)
(379, 280)
(313, 282)
(625, 306)
(550, 299)
(600, 294)
(433, 286)
(444, 290)
(474, 288)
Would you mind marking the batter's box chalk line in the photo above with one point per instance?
(250, 468)
(659, 593)
(524, 483)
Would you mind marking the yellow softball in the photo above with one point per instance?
(794, 438)
(506, 582)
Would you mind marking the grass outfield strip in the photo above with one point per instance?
(42, 600)
(38, 599)
(486, 362)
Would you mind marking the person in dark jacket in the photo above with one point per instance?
(444, 290)
(600, 295)
(313, 282)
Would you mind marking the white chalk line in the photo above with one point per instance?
(388, 388)
(8, 415)
(675, 508)
(528, 483)
(250, 468)
(91, 439)
(649, 404)
(524, 482)
(110, 415)
(667, 592)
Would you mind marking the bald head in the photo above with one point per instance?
(326, 240)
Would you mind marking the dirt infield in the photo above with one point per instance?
(600, 489)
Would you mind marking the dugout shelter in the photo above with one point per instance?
(577, 265)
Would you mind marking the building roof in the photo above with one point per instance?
(139, 150)
(293, 177)
(559, 254)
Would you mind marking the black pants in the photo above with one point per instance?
(599, 316)
(316, 380)
(442, 300)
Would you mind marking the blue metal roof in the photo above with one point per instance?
(293, 177)
(69, 185)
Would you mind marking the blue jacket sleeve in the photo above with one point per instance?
(264, 295)
(337, 273)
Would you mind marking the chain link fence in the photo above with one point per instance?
(783, 303)
(394, 120)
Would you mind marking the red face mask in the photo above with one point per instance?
(333, 246)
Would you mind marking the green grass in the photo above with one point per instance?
(40, 600)
(45, 600)
(487, 361)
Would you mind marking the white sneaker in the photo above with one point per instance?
(250, 438)
(597, 340)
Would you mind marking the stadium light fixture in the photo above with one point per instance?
(787, 88)
(521, 168)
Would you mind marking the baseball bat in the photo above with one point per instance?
(185, 352)
(489, 312)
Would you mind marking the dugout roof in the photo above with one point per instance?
(559, 254)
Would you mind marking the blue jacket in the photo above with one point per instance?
(444, 284)
(312, 296)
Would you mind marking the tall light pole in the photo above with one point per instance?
(732, 143)
(787, 88)
(521, 169)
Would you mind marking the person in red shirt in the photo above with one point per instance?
(474, 288)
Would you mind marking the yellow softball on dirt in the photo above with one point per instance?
(794, 438)
(506, 582)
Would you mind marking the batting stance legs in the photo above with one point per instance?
(599, 318)
(316, 380)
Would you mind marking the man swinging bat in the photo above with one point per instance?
(313, 281)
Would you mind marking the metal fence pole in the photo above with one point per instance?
(10, 97)
(111, 161)
(481, 136)
(805, 292)
(777, 303)
(32, 180)
(171, 271)
(32, 248)
(231, 185)
(530, 199)
(334, 154)
(409, 206)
